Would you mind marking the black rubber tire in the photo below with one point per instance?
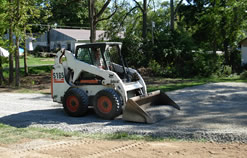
(75, 102)
(107, 104)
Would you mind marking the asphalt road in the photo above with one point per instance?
(215, 111)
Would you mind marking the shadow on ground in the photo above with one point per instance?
(212, 108)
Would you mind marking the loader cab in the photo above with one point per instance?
(103, 55)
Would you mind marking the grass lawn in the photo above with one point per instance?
(33, 61)
(174, 84)
(10, 134)
(42, 63)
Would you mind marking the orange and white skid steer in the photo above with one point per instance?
(80, 81)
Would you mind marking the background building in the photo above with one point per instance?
(243, 44)
(66, 38)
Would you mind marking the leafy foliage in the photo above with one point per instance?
(69, 13)
(201, 29)
(243, 75)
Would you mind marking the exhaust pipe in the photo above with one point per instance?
(136, 107)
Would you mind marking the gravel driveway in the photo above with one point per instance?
(215, 111)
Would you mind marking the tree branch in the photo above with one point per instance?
(135, 22)
(116, 8)
(127, 15)
(179, 4)
(108, 16)
(103, 9)
(139, 6)
(149, 3)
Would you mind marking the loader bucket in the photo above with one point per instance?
(136, 109)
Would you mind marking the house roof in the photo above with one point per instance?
(80, 34)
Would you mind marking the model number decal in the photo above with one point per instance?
(58, 77)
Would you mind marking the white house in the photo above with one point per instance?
(29, 41)
(4, 52)
(243, 44)
(67, 38)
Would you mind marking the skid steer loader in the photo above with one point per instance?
(81, 81)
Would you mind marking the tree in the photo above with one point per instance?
(173, 12)
(3, 29)
(172, 15)
(217, 24)
(96, 16)
(33, 11)
(25, 53)
(17, 35)
(69, 14)
(11, 50)
(19, 12)
(144, 17)
(6, 17)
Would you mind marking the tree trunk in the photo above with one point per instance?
(94, 31)
(226, 51)
(48, 39)
(95, 18)
(172, 15)
(2, 79)
(144, 24)
(11, 58)
(92, 21)
(25, 55)
(225, 41)
(17, 64)
(11, 69)
(224, 35)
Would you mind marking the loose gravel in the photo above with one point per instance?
(215, 112)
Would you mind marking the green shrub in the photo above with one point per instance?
(156, 68)
(132, 52)
(227, 70)
(171, 71)
(202, 64)
(243, 75)
(236, 61)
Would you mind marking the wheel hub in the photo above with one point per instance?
(104, 104)
(72, 103)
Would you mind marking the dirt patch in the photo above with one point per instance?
(104, 148)
(41, 83)
(38, 83)
(157, 81)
